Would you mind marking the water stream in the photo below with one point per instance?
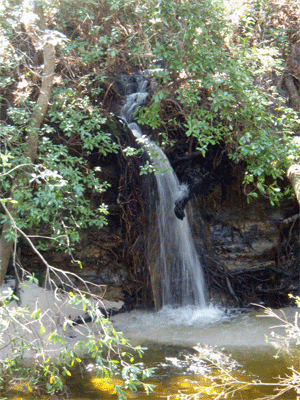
(175, 269)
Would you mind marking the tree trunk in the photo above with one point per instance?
(293, 92)
(293, 174)
(292, 75)
(6, 247)
(46, 88)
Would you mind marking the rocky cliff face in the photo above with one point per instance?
(252, 250)
(246, 236)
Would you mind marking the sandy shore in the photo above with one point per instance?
(52, 312)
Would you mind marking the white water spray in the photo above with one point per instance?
(175, 268)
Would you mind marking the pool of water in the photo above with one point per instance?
(174, 374)
(171, 336)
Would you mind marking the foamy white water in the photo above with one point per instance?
(189, 326)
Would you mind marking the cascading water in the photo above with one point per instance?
(175, 268)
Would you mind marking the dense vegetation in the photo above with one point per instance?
(222, 82)
(224, 76)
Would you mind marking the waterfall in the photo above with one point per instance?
(175, 269)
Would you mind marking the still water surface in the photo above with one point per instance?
(172, 334)
(172, 376)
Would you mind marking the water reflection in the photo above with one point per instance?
(175, 374)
